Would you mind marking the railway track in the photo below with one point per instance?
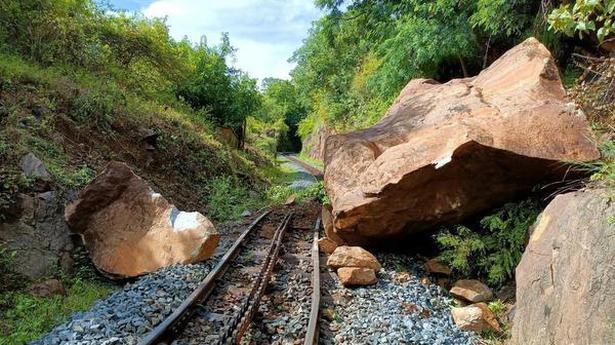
(222, 308)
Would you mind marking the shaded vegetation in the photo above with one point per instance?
(493, 248)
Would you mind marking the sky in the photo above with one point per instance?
(266, 32)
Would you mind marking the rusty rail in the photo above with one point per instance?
(170, 327)
(240, 324)
(311, 335)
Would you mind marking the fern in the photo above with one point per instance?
(494, 250)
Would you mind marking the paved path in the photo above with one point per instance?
(302, 178)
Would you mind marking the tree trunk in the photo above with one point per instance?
(464, 68)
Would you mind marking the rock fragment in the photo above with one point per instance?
(472, 290)
(48, 288)
(346, 256)
(437, 267)
(355, 276)
(476, 317)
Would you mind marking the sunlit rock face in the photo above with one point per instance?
(444, 152)
(130, 230)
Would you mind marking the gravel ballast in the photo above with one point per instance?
(126, 315)
(399, 309)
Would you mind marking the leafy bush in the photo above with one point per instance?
(585, 17)
(494, 250)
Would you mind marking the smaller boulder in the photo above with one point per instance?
(435, 266)
(356, 276)
(476, 317)
(326, 245)
(347, 256)
(472, 290)
(48, 288)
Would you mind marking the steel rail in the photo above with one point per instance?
(173, 324)
(311, 336)
(242, 320)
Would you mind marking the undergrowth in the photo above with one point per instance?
(30, 317)
(25, 317)
(492, 248)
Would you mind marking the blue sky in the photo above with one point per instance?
(266, 32)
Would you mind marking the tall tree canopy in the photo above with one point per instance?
(362, 52)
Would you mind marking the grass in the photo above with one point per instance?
(311, 161)
(31, 317)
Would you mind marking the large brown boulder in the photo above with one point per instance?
(566, 277)
(444, 152)
(130, 230)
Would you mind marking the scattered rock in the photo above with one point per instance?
(130, 230)
(434, 266)
(390, 312)
(476, 317)
(401, 277)
(48, 288)
(425, 281)
(326, 245)
(31, 166)
(353, 276)
(443, 282)
(445, 152)
(472, 290)
(566, 276)
(246, 213)
(345, 256)
(291, 199)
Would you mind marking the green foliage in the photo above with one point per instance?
(585, 17)
(603, 170)
(497, 307)
(361, 53)
(30, 317)
(11, 280)
(227, 199)
(494, 250)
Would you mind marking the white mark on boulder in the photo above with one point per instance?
(443, 161)
(181, 220)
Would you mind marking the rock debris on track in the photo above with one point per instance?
(399, 309)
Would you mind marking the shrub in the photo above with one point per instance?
(585, 17)
(227, 198)
(494, 250)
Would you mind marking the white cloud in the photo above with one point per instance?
(266, 32)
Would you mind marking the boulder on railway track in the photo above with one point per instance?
(130, 230)
(445, 152)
